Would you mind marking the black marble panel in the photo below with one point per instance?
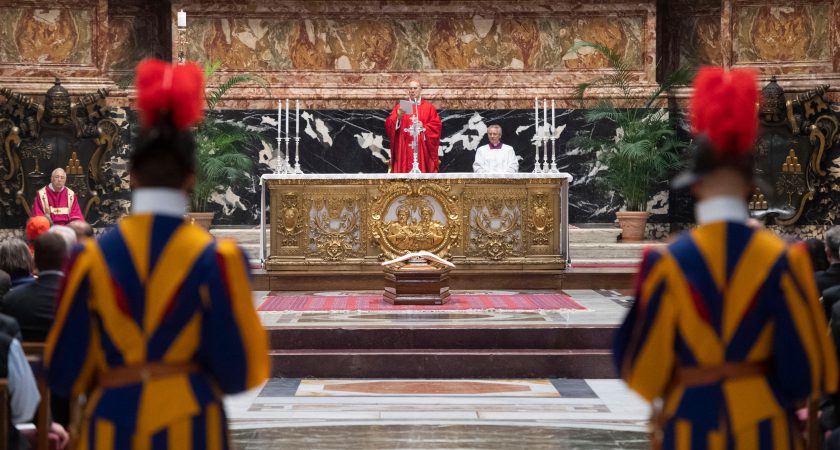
(355, 141)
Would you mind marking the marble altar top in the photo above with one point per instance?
(421, 176)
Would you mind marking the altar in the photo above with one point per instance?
(505, 230)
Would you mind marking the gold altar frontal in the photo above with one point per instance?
(332, 231)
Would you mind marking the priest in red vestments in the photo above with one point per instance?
(57, 201)
(401, 140)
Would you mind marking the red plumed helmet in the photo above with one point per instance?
(724, 108)
(177, 89)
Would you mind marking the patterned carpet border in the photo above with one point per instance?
(457, 302)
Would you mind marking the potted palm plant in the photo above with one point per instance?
(221, 157)
(645, 149)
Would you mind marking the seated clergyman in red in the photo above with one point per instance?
(57, 201)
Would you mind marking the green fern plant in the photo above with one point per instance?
(221, 159)
(645, 149)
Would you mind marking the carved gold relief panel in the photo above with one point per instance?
(335, 224)
(495, 228)
(289, 218)
(413, 216)
(541, 211)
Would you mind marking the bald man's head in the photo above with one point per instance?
(58, 179)
(414, 89)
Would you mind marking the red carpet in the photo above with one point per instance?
(457, 302)
(604, 266)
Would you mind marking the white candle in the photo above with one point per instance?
(287, 118)
(182, 19)
(545, 116)
(536, 115)
(552, 117)
(279, 118)
(297, 118)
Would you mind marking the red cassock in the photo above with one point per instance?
(427, 149)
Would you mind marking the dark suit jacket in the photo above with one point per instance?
(5, 283)
(33, 305)
(828, 278)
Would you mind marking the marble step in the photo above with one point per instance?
(606, 235)
(585, 244)
(384, 338)
(442, 363)
(602, 251)
(576, 235)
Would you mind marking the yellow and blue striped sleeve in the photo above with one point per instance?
(234, 343)
(71, 351)
(644, 344)
(805, 354)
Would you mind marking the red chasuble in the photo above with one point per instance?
(427, 149)
(61, 207)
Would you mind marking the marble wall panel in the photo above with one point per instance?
(393, 44)
(782, 33)
(31, 35)
(699, 40)
(131, 39)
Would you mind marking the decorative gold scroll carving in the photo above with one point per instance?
(495, 224)
(541, 219)
(425, 217)
(289, 218)
(335, 231)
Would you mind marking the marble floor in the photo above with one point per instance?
(443, 413)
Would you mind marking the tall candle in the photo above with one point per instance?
(279, 118)
(182, 19)
(287, 118)
(552, 117)
(297, 118)
(536, 115)
(545, 116)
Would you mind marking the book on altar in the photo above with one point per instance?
(415, 258)
(406, 107)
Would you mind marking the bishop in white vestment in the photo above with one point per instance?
(495, 157)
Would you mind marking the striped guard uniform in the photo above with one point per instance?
(726, 293)
(156, 289)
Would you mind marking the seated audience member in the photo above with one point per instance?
(35, 227)
(829, 417)
(816, 247)
(16, 260)
(33, 304)
(831, 276)
(495, 157)
(83, 230)
(67, 234)
(5, 283)
(23, 391)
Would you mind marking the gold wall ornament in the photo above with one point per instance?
(335, 231)
(541, 220)
(290, 220)
(495, 228)
(39, 137)
(791, 151)
(413, 216)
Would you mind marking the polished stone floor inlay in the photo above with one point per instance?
(442, 413)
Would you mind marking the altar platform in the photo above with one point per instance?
(332, 231)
